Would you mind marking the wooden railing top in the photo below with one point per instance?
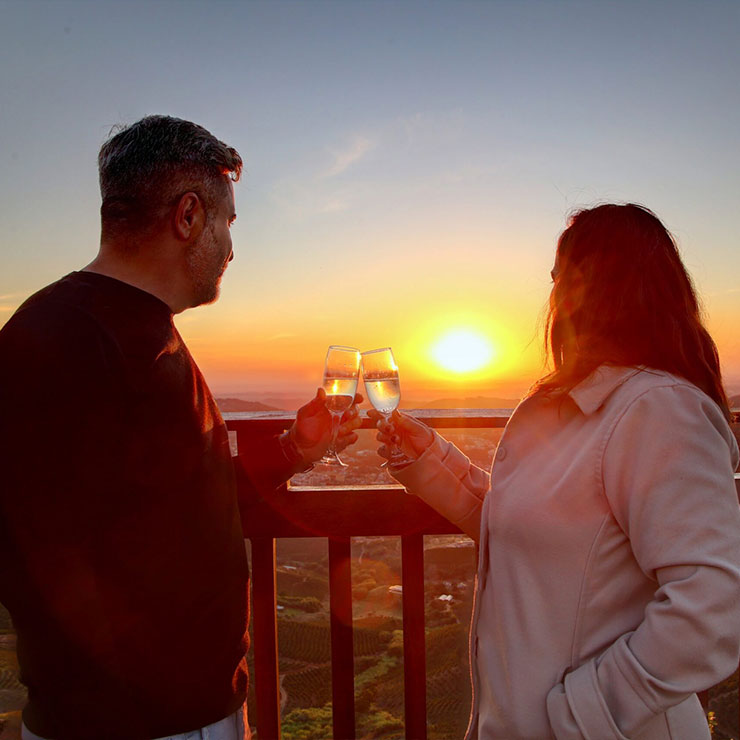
(275, 421)
(268, 421)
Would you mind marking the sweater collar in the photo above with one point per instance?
(591, 393)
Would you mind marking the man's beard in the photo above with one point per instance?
(204, 272)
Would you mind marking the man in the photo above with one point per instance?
(122, 560)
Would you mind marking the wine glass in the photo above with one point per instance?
(380, 373)
(341, 374)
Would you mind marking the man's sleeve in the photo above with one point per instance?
(262, 466)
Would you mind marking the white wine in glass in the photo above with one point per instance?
(384, 394)
(380, 373)
(341, 374)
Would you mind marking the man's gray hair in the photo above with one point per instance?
(144, 169)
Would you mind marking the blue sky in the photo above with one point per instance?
(408, 164)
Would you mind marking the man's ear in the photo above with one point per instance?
(189, 216)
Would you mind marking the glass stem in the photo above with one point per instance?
(335, 423)
(395, 450)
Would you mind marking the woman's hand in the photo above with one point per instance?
(412, 436)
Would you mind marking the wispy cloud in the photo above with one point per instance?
(314, 191)
(4, 308)
(317, 188)
(350, 154)
(305, 196)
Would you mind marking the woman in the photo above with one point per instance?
(608, 587)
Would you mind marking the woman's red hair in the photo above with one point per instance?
(622, 296)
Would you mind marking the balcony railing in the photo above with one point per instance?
(338, 514)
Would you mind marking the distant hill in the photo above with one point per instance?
(272, 402)
(236, 404)
(735, 401)
(288, 403)
(476, 402)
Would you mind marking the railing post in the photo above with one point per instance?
(264, 603)
(342, 648)
(414, 645)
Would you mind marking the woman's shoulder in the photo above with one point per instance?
(611, 387)
(645, 381)
(613, 391)
(657, 407)
(668, 400)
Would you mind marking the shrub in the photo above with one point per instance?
(308, 724)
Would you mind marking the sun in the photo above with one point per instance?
(462, 351)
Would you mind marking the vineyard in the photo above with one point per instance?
(308, 687)
(304, 642)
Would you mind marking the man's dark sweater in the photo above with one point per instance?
(122, 560)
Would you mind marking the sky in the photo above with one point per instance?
(408, 165)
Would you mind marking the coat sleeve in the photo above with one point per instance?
(445, 479)
(667, 472)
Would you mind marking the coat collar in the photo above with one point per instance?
(591, 392)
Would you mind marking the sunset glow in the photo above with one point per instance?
(462, 350)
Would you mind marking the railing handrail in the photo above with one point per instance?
(437, 418)
(275, 421)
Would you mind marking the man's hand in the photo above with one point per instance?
(311, 431)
